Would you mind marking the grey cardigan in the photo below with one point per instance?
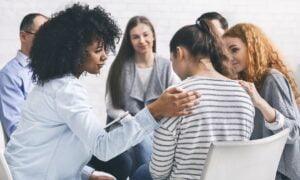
(277, 92)
(134, 98)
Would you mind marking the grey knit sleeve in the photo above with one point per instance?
(278, 93)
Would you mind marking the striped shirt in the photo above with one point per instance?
(181, 144)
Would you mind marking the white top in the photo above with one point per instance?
(58, 133)
(144, 75)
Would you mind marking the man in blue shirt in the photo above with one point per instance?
(15, 77)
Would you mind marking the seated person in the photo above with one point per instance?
(219, 22)
(15, 76)
(225, 112)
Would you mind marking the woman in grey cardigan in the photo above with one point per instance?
(257, 61)
(137, 77)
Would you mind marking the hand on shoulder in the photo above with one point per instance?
(174, 102)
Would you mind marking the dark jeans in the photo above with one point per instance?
(141, 153)
(142, 173)
(125, 164)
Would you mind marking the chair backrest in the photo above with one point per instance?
(4, 169)
(246, 160)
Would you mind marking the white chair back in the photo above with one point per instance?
(246, 160)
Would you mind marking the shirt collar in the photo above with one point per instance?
(22, 59)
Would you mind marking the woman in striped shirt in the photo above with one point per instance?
(225, 112)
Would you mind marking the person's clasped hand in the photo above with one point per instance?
(99, 175)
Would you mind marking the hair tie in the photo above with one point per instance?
(202, 25)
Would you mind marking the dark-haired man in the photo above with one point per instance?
(15, 77)
(219, 22)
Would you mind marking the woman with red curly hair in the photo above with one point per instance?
(272, 88)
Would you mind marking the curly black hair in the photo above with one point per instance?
(60, 44)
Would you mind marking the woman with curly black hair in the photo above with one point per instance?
(58, 131)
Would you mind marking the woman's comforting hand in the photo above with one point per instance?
(251, 90)
(174, 102)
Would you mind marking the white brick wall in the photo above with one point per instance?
(279, 19)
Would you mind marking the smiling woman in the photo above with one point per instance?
(142, 39)
(238, 50)
(137, 77)
(272, 89)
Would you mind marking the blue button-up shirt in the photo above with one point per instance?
(15, 84)
(58, 132)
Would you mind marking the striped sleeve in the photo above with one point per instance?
(163, 154)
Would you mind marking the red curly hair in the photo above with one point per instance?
(262, 55)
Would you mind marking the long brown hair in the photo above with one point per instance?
(113, 85)
(262, 55)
